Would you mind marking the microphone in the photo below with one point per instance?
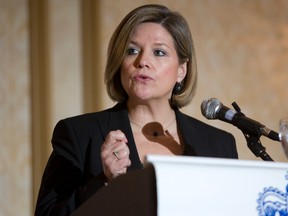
(213, 109)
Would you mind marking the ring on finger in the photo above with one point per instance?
(116, 154)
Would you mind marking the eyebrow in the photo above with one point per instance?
(157, 44)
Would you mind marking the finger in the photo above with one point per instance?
(116, 154)
(114, 167)
(120, 166)
(107, 150)
(114, 141)
(115, 136)
(111, 156)
(121, 153)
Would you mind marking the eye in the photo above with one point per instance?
(132, 51)
(159, 53)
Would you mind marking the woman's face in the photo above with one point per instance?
(151, 67)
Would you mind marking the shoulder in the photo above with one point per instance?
(196, 124)
(94, 116)
(89, 122)
(206, 140)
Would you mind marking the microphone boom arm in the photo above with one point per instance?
(253, 141)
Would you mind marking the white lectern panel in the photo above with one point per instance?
(207, 186)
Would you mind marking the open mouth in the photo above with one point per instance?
(142, 77)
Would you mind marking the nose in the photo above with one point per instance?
(142, 61)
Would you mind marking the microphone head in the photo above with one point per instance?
(210, 107)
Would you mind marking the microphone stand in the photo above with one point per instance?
(256, 147)
(253, 141)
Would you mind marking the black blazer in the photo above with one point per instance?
(74, 170)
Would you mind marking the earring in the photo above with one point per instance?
(177, 88)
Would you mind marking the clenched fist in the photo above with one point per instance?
(115, 154)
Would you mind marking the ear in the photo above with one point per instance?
(182, 70)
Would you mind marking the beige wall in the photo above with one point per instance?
(15, 122)
(242, 52)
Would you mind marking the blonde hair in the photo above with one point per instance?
(177, 26)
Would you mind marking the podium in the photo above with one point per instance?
(181, 185)
(131, 194)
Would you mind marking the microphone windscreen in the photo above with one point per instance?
(209, 108)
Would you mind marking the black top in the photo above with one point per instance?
(74, 171)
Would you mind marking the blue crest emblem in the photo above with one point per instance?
(273, 202)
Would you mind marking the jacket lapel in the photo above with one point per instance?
(117, 119)
(192, 139)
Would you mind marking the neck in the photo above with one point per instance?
(152, 121)
(145, 113)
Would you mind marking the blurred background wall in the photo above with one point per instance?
(52, 58)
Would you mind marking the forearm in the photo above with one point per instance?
(64, 187)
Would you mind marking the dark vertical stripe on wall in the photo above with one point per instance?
(91, 47)
(40, 83)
